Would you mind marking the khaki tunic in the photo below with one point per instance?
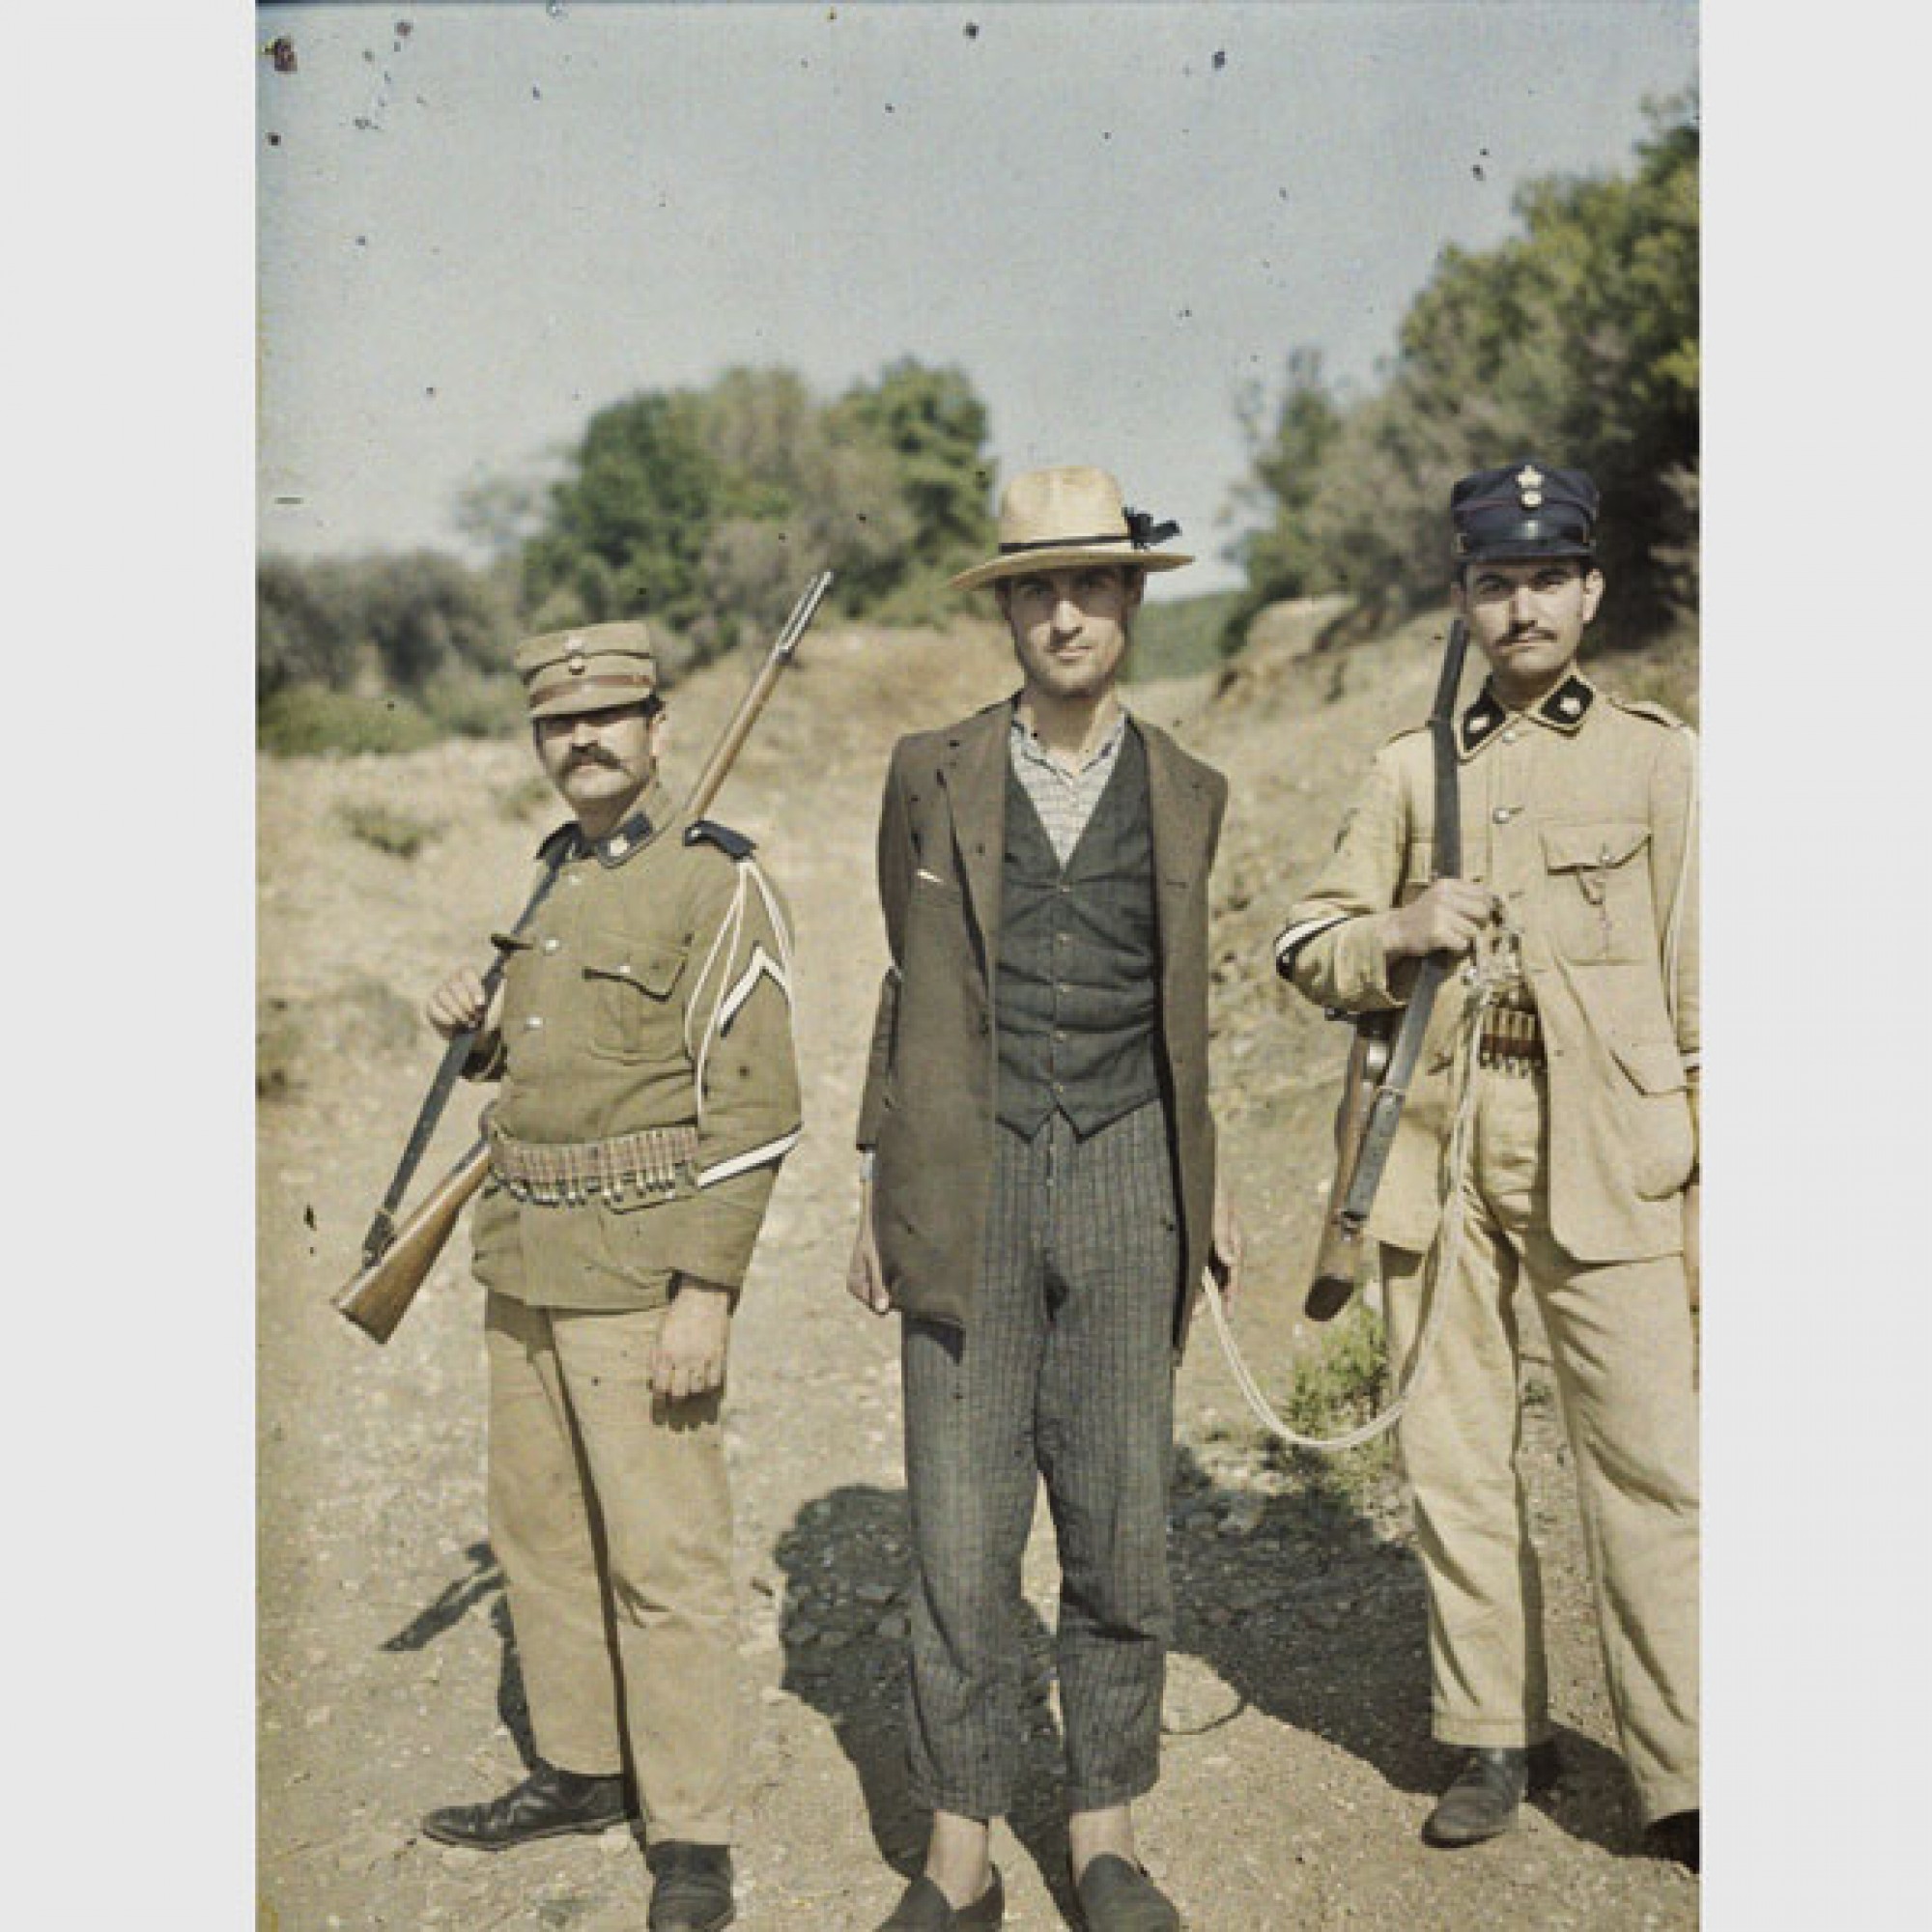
(645, 956)
(1580, 823)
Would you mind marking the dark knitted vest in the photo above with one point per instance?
(1076, 1001)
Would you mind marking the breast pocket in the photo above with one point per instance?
(1597, 894)
(628, 984)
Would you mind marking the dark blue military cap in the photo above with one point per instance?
(1523, 509)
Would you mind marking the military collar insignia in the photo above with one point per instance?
(1567, 706)
(1529, 486)
(1565, 709)
(1481, 720)
(567, 843)
(634, 833)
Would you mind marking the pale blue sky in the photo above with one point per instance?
(1111, 216)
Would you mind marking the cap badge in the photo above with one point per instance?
(1529, 482)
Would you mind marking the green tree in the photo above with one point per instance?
(935, 428)
(1576, 340)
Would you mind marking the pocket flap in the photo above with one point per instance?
(619, 956)
(1594, 847)
(1653, 1064)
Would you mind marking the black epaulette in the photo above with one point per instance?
(707, 830)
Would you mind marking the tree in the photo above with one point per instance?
(1576, 340)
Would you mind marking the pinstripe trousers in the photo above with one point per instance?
(1065, 1373)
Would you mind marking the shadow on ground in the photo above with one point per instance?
(1296, 1601)
(479, 1591)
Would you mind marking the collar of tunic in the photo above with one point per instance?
(567, 843)
(1563, 709)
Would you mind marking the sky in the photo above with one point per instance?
(478, 224)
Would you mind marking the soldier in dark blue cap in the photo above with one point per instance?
(1550, 1139)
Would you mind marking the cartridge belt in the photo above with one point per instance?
(565, 1173)
(1512, 1035)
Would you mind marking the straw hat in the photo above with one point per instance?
(1056, 519)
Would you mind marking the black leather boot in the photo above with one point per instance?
(1117, 1895)
(692, 1892)
(1677, 1838)
(1481, 1803)
(924, 1908)
(548, 1803)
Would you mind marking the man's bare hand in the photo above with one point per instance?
(865, 1276)
(688, 1358)
(1445, 919)
(458, 1004)
(1224, 1257)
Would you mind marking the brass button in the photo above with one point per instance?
(551, 944)
(618, 846)
(534, 1021)
(1503, 813)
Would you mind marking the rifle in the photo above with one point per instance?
(396, 1259)
(1376, 1083)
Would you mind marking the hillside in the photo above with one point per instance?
(1297, 1765)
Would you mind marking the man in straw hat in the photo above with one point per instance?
(648, 1093)
(1039, 1193)
(1550, 1139)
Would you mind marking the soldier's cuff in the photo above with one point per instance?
(1361, 964)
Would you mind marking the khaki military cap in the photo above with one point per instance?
(1058, 519)
(593, 668)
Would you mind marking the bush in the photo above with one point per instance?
(308, 720)
(400, 833)
(466, 704)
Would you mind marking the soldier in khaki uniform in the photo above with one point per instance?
(1569, 1063)
(649, 1091)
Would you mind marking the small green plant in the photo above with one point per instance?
(1338, 1386)
(399, 834)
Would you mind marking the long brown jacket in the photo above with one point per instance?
(931, 1081)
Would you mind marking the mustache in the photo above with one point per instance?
(590, 757)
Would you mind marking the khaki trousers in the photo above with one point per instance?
(1621, 1343)
(612, 1518)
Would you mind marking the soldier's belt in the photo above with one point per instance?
(565, 1173)
(1512, 1035)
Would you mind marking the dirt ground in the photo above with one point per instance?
(1297, 1767)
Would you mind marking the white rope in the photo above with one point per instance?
(1443, 1252)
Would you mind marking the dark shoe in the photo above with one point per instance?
(924, 1908)
(1492, 1783)
(1676, 1837)
(692, 1892)
(547, 1805)
(1115, 1895)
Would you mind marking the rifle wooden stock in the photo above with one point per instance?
(380, 1296)
(1338, 1260)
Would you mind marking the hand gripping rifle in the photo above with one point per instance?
(1380, 1071)
(397, 1259)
